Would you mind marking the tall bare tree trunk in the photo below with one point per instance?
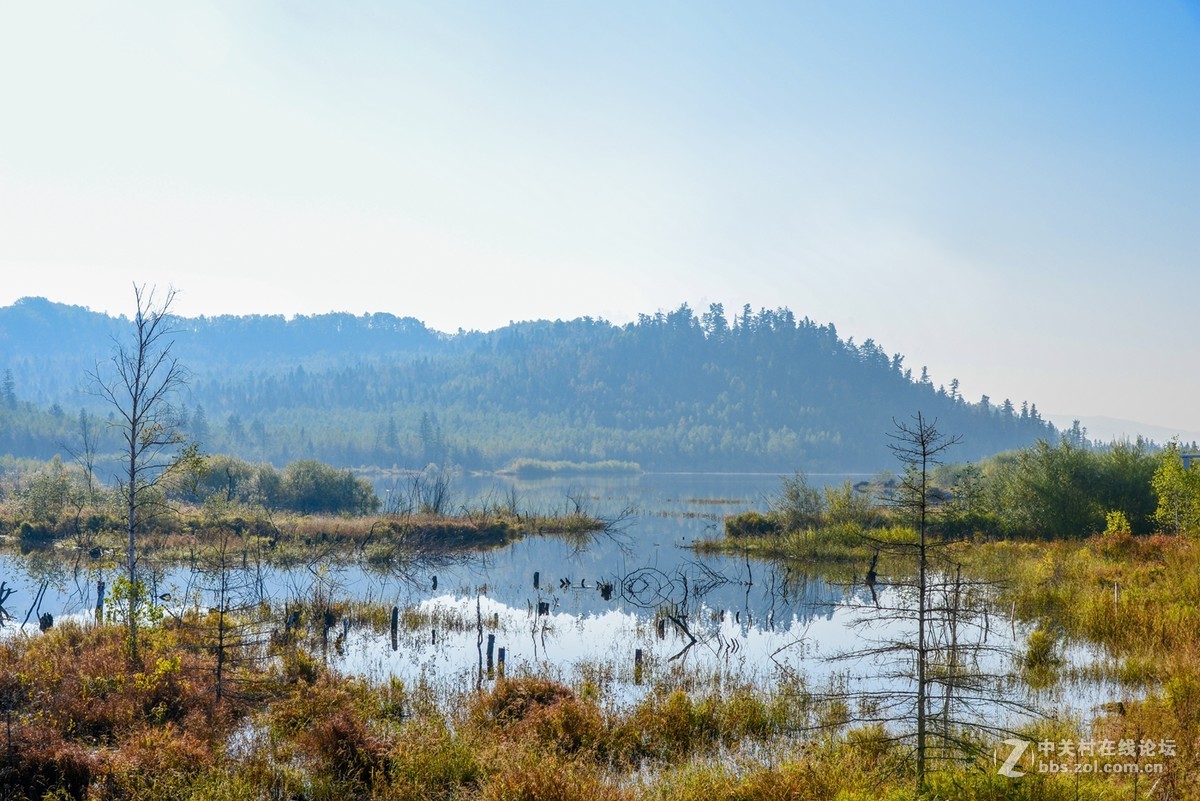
(139, 385)
(918, 448)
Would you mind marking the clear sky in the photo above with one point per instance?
(1007, 192)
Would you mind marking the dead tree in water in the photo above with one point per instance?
(233, 629)
(5, 592)
(919, 447)
(936, 639)
(139, 384)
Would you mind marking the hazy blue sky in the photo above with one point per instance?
(1006, 192)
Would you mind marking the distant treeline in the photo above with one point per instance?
(672, 391)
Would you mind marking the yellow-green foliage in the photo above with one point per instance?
(752, 524)
(1116, 524)
(429, 761)
(1177, 492)
(1041, 661)
(1139, 598)
(1041, 651)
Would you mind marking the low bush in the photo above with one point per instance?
(752, 524)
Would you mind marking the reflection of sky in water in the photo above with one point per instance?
(751, 621)
(557, 643)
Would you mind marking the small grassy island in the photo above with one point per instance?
(540, 468)
(307, 504)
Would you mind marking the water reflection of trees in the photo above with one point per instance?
(686, 601)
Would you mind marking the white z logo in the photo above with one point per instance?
(1018, 751)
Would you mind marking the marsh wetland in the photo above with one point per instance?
(633, 597)
(635, 652)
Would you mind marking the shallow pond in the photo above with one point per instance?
(587, 609)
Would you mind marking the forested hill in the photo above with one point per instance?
(673, 391)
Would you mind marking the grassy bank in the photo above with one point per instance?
(177, 533)
(828, 544)
(1135, 599)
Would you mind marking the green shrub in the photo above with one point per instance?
(847, 506)
(311, 487)
(34, 532)
(752, 524)
(798, 505)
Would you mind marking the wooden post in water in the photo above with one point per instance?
(637, 666)
(491, 647)
(537, 579)
(435, 582)
(100, 602)
(500, 663)
(395, 626)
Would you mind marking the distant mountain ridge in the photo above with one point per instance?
(672, 391)
(1109, 429)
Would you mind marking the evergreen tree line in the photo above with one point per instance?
(672, 391)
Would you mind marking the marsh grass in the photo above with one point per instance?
(1137, 599)
(827, 544)
(90, 724)
(439, 616)
(256, 535)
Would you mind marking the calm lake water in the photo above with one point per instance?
(595, 604)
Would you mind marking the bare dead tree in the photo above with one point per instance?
(936, 661)
(139, 383)
(84, 453)
(919, 446)
(236, 630)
